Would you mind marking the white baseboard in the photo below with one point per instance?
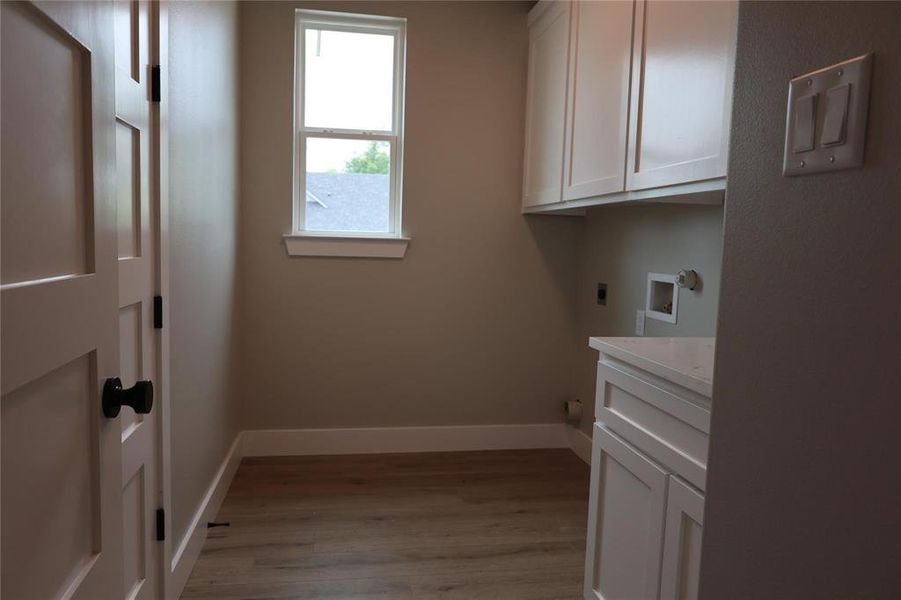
(580, 443)
(188, 548)
(383, 440)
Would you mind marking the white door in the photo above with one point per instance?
(546, 105)
(61, 468)
(625, 521)
(682, 71)
(598, 115)
(681, 565)
(138, 275)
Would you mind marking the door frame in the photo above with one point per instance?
(159, 158)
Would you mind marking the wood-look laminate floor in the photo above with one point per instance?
(501, 524)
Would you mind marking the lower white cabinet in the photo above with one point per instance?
(644, 527)
(681, 541)
(648, 469)
(625, 521)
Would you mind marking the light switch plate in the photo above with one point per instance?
(838, 97)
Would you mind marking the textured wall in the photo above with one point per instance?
(620, 246)
(475, 325)
(803, 482)
(203, 190)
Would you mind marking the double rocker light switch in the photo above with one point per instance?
(827, 117)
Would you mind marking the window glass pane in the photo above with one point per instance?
(347, 185)
(348, 80)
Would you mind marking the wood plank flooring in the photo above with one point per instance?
(500, 524)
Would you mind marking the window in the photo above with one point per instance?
(349, 87)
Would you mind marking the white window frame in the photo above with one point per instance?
(357, 23)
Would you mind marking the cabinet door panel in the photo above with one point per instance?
(546, 105)
(682, 542)
(597, 123)
(625, 521)
(682, 70)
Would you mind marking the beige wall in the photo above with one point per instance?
(803, 483)
(475, 325)
(620, 246)
(203, 199)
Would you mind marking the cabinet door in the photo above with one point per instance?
(546, 105)
(625, 521)
(682, 542)
(597, 119)
(683, 64)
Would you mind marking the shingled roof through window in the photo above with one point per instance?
(347, 202)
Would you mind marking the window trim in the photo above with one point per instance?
(356, 23)
(344, 246)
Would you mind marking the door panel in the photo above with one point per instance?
(52, 200)
(58, 531)
(134, 533)
(131, 358)
(128, 189)
(61, 465)
(128, 25)
(625, 521)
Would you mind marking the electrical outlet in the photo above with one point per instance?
(639, 322)
(602, 294)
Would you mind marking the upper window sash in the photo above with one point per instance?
(353, 21)
(372, 24)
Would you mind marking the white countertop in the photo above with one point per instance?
(684, 361)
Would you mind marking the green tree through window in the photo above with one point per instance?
(373, 160)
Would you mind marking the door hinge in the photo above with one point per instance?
(160, 525)
(155, 83)
(157, 312)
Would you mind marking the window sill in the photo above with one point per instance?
(303, 244)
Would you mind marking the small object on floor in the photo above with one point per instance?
(211, 524)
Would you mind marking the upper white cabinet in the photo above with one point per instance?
(546, 103)
(598, 92)
(627, 101)
(682, 66)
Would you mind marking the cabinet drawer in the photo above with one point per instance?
(656, 417)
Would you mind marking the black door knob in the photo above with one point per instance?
(139, 397)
